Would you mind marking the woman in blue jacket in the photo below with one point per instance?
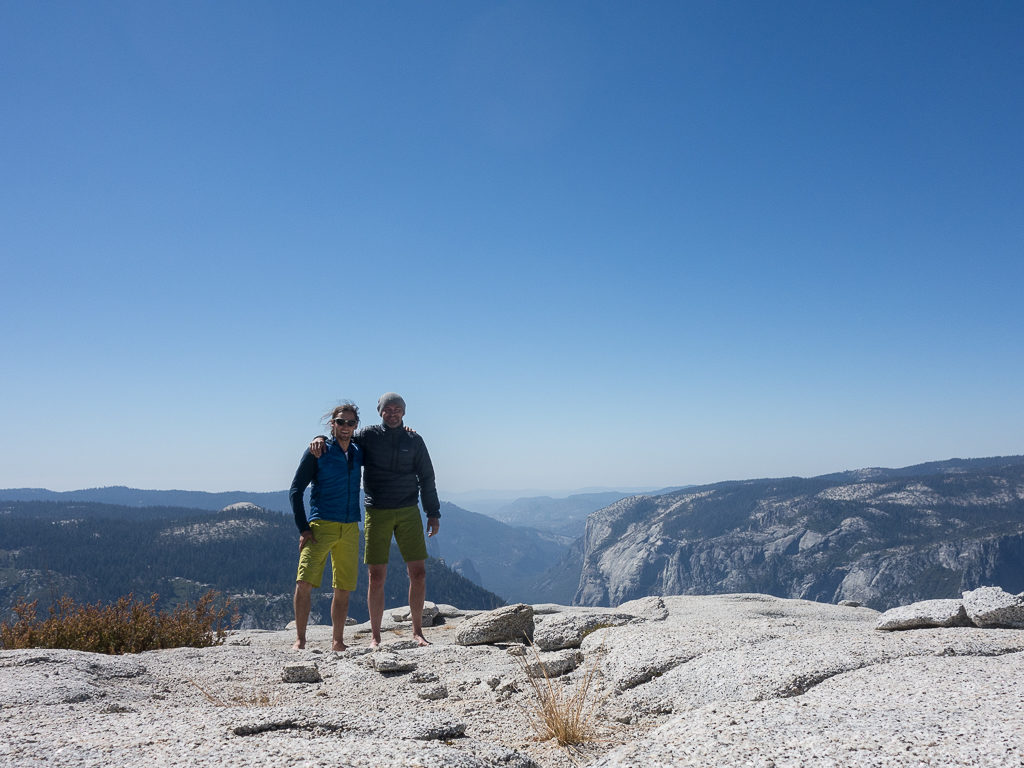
(332, 526)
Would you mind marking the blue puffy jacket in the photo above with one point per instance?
(335, 478)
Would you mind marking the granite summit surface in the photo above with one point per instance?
(725, 680)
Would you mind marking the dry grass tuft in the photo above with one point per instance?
(127, 626)
(560, 712)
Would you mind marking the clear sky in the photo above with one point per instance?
(592, 243)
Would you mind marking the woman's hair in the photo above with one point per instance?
(344, 405)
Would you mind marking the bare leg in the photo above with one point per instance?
(302, 600)
(339, 612)
(417, 592)
(375, 600)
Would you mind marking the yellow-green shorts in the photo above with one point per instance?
(341, 541)
(406, 525)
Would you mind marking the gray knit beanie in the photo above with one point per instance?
(387, 398)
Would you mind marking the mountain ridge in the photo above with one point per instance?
(875, 536)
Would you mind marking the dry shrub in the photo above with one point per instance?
(127, 626)
(558, 711)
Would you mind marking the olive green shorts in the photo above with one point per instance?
(341, 541)
(406, 525)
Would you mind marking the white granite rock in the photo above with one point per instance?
(650, 608)
(553, 664)
(301, 673)
(725, 680)
(430, 613)
(992, 607)
(384, 661)
(567, 630)
(926, 613)
(909, 712)
(433, 692)
(450, 611)
(511, 623)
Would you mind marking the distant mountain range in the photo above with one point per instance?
(135, 497)
(501, 558)
(877, 536)
(98, 552)
(882, 537)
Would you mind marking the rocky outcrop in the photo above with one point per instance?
(986, 607)
(728, 680)
(992, 607)
(927, 613)
(567, 630)
(510, 624)
(878, 537)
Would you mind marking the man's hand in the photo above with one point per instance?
(306, 537)
(433, 526)
(318, 446)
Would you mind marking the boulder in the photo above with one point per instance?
(992, 607)
(449, 611)
(553, 664)
(384, 661)
(433, 692)
(301, 673)
(568, 630)
(511, 623)
(650, 608)
(926, 613)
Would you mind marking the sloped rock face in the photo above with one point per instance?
(878, 537)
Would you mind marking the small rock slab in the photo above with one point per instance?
(992, 607)
(554, 664)
(433, 692)
(651, 608)
(923, 614)
(301, 673)
(510, 623)
(568, 630)
(449, 611)
(404, 614)
(428, 728)
(383, 661)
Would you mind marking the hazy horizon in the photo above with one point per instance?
(512, 494)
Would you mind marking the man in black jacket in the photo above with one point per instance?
(397, 473)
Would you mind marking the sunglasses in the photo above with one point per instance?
(345, 422)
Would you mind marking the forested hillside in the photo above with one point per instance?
(98, 552)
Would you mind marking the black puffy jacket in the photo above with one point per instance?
(396, 470)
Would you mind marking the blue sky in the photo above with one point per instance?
(593, 244)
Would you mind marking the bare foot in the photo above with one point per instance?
(338, 645)
(375, 642)
(420, 640)
(298, 645)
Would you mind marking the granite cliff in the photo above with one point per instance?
(881, 537)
